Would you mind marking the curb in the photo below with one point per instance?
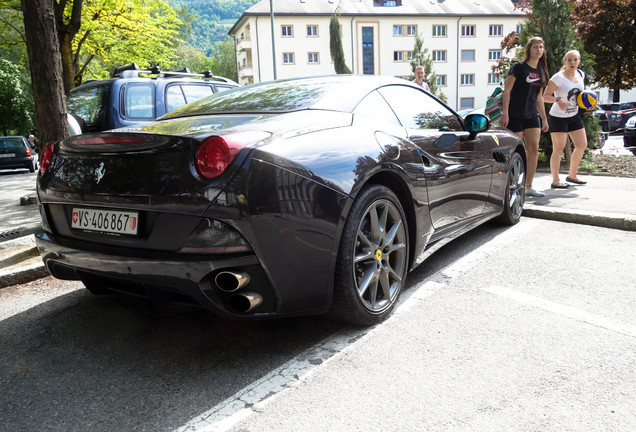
(585, 217)
(24, 274)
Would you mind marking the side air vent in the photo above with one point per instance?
(499, 157)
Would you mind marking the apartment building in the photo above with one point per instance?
(463, 38)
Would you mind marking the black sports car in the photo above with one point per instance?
(292, 197)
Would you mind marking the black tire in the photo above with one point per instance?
(372, 259)
(515, 192)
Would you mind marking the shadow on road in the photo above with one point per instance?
(80, 362)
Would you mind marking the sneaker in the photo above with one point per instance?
(534, 193)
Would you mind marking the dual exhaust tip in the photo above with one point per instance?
(230, 282)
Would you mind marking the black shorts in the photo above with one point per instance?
(519, 124)
(565, 124)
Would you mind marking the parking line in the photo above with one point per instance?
(563, 310)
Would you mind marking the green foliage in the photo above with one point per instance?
(607, 27)
(15, 110)
(207, 30)
(335, 45)
(125, 31)
(224, 60)
(421, 57)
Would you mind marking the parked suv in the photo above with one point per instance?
(618, 113)
(135, 96)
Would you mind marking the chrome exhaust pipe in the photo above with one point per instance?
(230, 281)
(244, 302)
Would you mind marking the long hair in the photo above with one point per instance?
(567, 54)
(542, 65)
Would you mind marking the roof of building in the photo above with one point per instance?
(373, 8)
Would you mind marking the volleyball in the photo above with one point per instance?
(586, 99)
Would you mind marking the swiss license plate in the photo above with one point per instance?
(105, 221)
(7, 155)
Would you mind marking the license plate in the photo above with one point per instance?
(7, 155)
(105, 221)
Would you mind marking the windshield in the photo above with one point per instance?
(276, 97)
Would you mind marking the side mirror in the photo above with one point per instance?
(476, 123)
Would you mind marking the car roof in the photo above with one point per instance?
(331, 92)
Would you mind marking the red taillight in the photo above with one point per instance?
(214, 156)
(28, 152)
(216, 153)
(45, 158)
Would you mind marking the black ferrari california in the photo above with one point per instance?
(300, 196)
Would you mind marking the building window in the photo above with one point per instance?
(519, 28)
(288, 58)
(441, 80)
(287, 31)
(411, 30)
(439, 56)
(468, 31)
(439, 31)
(466, 103)
(494, 54)
(468, 55)
(387, 3)
(468, 79)
(398, 56)
(312, 30)
(410, 56)
(493, 78)
(398, 30)
(312, 58)
(496, 30)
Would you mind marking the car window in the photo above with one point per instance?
(194, 92)
(10, 146)
(418, 110)
(375, 108)
(174, 97)
(139, 101)
(220, 87)
(89, 103)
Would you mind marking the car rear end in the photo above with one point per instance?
(125, 212)
(15, 153)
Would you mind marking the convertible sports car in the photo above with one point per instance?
(292, 197)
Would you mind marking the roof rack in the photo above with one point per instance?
(132, 70)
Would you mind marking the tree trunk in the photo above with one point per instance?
(46, 70)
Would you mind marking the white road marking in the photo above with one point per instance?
(567, 311)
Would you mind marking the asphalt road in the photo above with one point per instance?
(528, 328)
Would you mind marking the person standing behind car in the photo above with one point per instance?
(522, 109)
(32, 144)
(564, 119)
(419, 75)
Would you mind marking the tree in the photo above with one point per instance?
(116, 32)
(608, 29)
(335, 45)
(15, 115)
(224, 60)
(422, 58)
(46, 70)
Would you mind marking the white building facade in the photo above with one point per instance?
(463, 38)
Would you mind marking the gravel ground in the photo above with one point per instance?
(619, 166)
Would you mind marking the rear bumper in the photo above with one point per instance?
(172, 281)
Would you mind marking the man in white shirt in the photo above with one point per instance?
(419, 78)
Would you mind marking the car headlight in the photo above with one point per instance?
(631, 123)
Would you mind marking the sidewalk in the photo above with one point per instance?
(604, 201)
